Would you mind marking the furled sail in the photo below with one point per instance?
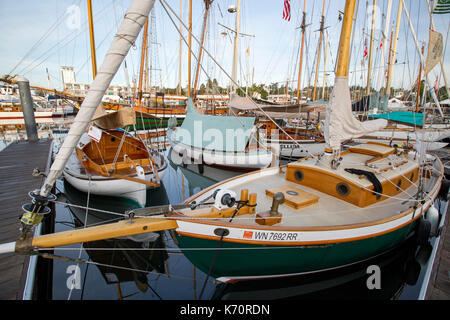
(341, 125)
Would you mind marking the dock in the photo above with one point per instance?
(17, 162)
(439, 284)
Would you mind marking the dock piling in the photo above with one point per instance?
(27, 108)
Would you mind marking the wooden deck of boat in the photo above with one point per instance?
(439, 285)
(17, 162)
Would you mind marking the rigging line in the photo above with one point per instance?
(204, 49)
(236, 84)
(92, 209)
(48, 256)
(49, 51)
(43, 37)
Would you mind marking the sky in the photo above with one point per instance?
(45, 35)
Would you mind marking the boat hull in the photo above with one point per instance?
(105, 186)
(233, 261)
(240, 161)
(242, 250)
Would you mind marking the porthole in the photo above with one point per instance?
(113, 139)
(298, 174)
(292, 193)
(342, 189)
(412, 176)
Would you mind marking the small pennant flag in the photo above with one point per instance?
(287, 10)
(441, 6)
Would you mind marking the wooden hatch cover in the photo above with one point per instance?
(294, 197)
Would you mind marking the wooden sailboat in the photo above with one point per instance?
(298, 139)
(320, 213)
(119, 164)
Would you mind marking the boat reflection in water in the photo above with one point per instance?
(119, 260)
(385, 277)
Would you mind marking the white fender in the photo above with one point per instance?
(432, 215)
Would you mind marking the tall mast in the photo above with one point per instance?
(92, 39)
(190, 47)
(344, 42)
(141, 70)
(236, 47)
(394, 48)
(147, 67)
(381, 70)
(205, 19)
(419, 79)
(372, 35)
(325, 67)
(389, 61)
(179, 55)
(303, 27)
(124, 39)
(322, 22)
(422, 59)
(127, 78)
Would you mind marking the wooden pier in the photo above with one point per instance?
(439, 285)
(17, 162)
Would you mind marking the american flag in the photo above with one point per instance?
(287, 10)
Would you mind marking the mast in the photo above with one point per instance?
(322, 22)
(344, 42)
(325, 67)
(190, 46)
(236, 47)
(143, 51)
(127, 79)
(419, 79)
(372, 35)
(381, 70)
(394, 49)
(179, 54)
(125, 37)
(146, 68)
(92, 39)
(422, 59)
(205, 19)
(303, 27)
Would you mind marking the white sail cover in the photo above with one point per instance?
(341, 124)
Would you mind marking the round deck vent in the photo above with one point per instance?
(342, 189)
(298, 175)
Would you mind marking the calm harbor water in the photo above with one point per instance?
(152, 268)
